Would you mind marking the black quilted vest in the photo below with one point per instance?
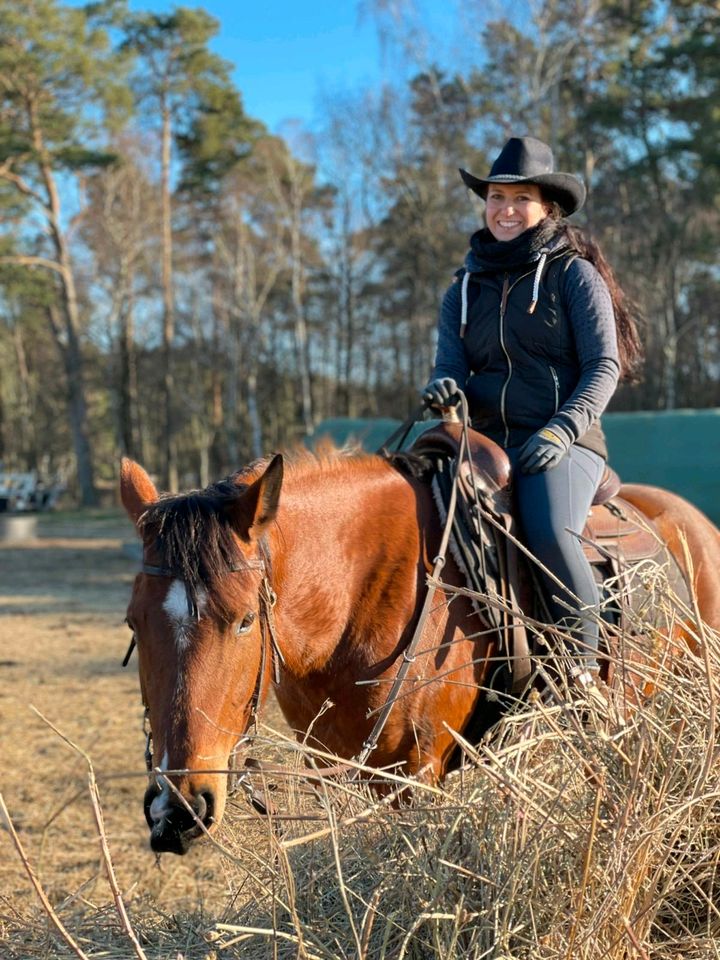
(524, 365)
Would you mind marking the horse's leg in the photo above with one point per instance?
(463, 656)
(677, 521)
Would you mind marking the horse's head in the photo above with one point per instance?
(197, 615)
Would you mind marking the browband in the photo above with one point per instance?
(253, 563)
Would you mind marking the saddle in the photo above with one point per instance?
(487, 547)
(614, 528)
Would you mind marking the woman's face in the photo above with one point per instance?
(510, 209)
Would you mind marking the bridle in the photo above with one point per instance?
(267, 598)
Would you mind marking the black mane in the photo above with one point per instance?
(191, 533)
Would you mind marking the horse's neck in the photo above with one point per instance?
(345, 563)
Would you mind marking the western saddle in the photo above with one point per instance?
(616, 533)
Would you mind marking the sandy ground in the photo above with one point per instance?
(62, 641)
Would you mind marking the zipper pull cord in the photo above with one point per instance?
(536, 283)
(464, 303)
(504, 295)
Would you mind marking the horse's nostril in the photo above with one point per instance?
(204, 805)
(150, 794)
(199, 806)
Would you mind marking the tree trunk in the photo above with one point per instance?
(28, 441)
(348, 307)
(67, 336)
(254, 415)
(670, 338)
(77, 406)
(128, 387)
(300, 325)
(217, 379)
(669, 358)
(233, 351)
(170, 466)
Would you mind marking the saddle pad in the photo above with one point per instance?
(618, 529)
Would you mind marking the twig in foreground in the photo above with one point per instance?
(104, 848)
(47, 906)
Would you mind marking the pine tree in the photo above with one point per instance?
(58, 83)
(188, 89)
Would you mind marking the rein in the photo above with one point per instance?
(409, 654)
(401, 434)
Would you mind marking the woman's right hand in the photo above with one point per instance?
(441, 392)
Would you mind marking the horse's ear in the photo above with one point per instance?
(137, 491)
(256, 509)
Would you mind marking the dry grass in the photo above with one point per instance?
(558, 839)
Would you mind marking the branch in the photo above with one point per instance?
(23, 260)
(109, 869)
(104, 849)
(47, 906)
(22, 185)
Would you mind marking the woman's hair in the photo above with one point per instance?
(627, 315)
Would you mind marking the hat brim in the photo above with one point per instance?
(566, 189)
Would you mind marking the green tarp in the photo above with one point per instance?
(678, 449)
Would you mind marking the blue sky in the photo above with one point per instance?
(286, 52)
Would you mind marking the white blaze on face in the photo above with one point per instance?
(176, 607)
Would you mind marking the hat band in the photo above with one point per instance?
(500, 177)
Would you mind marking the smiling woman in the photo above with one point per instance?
(536, 331)
(513, 209)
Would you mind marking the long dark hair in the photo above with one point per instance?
(627, 315)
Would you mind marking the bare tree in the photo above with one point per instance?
(250, 256)
(120, 226)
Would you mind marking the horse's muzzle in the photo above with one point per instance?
(178, 826)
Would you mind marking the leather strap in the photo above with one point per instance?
(409, 653)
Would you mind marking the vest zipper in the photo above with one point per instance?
(506, 288)
(503, 392)
(556, 384)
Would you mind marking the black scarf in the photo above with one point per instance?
(487, 253)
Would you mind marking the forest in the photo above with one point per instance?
(184, 287)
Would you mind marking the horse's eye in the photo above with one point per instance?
(245, 624)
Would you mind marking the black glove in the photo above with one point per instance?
(442, 392)
(544, 450)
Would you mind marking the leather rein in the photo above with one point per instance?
(409, 654)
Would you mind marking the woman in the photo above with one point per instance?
(536, 331)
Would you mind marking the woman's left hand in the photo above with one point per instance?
(544, 450)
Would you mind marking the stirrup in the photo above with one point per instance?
(598, 694)
(583, 677)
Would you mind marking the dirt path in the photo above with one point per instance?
(62, 640)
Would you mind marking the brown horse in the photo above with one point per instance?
(333, 573)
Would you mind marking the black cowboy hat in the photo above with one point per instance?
(527, 160)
